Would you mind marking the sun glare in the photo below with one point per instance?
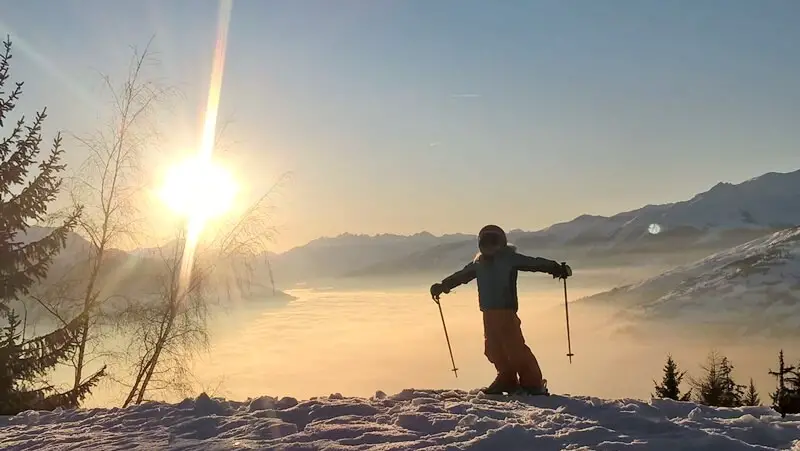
(198, 190)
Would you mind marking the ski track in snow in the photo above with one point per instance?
(409, 420)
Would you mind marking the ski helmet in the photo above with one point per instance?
(491, 237)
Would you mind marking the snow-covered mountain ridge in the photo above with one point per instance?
(726, 215)
(771, 201)
(409, 420)
(755, 285)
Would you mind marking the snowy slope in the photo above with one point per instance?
(412, 419)
(756, 284)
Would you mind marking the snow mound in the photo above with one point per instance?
(411, 419)
(755, 285)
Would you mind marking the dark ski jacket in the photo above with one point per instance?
(497, 276)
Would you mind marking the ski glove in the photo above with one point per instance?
(562, 271)
(436, 290)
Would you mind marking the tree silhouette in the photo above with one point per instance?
(733, 393)
(24, 262)
(669, 388)
(717, 387)
(751, 397)
(786, 398)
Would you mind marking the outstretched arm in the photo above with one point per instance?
(536, 264)
(460, 277)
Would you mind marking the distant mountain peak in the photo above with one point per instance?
(773, 175)
(586, 216)
(722, 185)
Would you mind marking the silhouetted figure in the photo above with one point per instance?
(495, 267)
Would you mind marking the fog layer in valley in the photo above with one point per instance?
(344, 340)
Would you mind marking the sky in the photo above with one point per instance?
(398, 117)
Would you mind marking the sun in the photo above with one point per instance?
(198, 189)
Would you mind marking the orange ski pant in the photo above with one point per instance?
(506, 349)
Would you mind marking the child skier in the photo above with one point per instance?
(495, 267)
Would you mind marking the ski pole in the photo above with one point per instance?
(447, 337)
(566, 311)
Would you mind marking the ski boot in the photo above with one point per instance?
(535, 391)
(501, 385)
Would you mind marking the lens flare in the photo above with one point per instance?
(198, 190)
(194, 226)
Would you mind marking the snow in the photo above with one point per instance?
(756, 284)
(411, 419)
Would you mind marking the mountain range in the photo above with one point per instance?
(753, 288)
(123, 275)
(724, 216)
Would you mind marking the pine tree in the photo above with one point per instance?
(751, 397)
(25, 361)
(779, 374)
(708, 390)
(732, 393)
(792, 379)
(786, 398)
(717, 387)
(670, 383)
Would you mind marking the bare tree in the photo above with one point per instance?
(167, 326)
(107, 186)
(170, 328)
